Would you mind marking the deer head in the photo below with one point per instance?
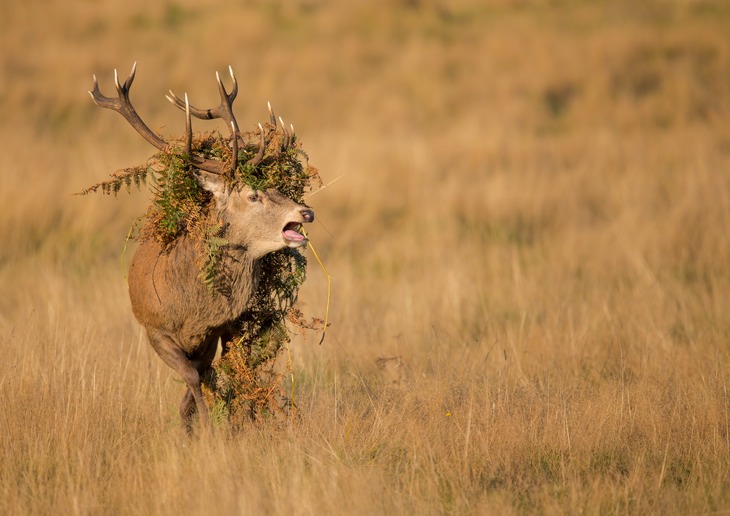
(261, 221)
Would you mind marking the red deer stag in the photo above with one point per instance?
(183, 320)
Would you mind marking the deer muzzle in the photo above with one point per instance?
(291, 234)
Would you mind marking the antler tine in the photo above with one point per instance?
(272, 116)
(234, 153)
(215, 167)
(128, 82)
(188, 128)
(285, 143)
(260, 155)
(234, 90)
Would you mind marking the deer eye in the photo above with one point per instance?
(253, 197)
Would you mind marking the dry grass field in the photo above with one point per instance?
(528, 232)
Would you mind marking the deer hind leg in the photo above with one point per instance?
(187, 407)
(187, 410)
(174, 357)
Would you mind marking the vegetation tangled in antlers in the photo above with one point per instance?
(243, 384)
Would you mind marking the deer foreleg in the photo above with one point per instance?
(173, 356)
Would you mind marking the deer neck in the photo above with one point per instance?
(238, 278)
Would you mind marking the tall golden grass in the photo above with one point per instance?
(529, 227)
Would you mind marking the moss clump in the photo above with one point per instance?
(243, 384)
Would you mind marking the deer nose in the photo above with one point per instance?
(307, 215)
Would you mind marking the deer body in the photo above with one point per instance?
(182, 317)
(167, 293)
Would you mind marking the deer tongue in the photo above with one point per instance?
(292, 235)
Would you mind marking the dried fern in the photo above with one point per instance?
(127, 177)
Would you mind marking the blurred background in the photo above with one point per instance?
(522, 195)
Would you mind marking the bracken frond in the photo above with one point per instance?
(125, 177)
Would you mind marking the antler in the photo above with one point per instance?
(288, 137)
(224, 111)
(123, 106)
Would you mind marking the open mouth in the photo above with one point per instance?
(291, 233)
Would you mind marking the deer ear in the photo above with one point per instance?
(213, 183)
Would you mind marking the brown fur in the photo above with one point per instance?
(183, 318)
